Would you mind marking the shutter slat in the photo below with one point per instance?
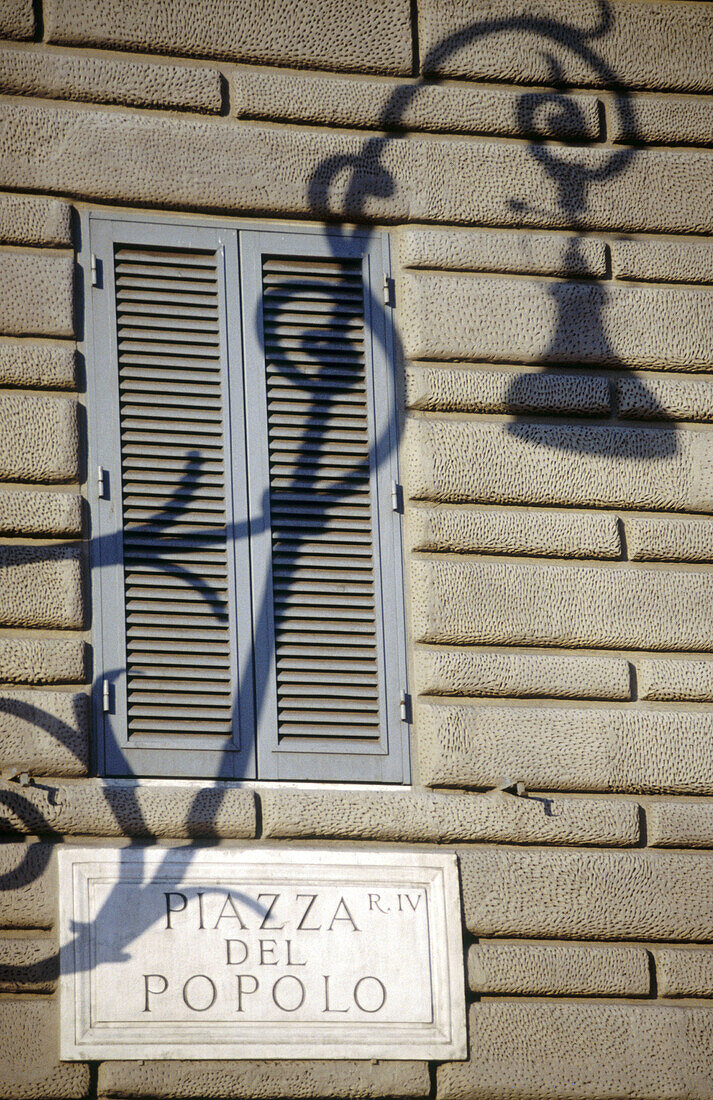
(176, 588)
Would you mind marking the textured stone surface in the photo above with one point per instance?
(43, 365)
(41, 586)
(559, 748)
(94, 808)
(502, 603)
(17, 19)
(333, 34)
(36, 293)
(33, 219)
(675, 261)
(28, 885)
(535, 322)
(33, 512)
(649, 44)
(263, 1080)
(31, 660)
(102, 80)
(680, 824)
(519, 253)
(685, 679)
(564, 970)
(587, 895)
(28, 964)
(445, 817)
(684, 972)
(115, 155)
(570, 464)
(30, 1068)
(456, 671)
(39, 438)
(688, 680)
(668, 120)
(482, 390)
(675, 398)
(669, 538)
(44, 732)
(344, 101)
(583, 1052)
(500, 531)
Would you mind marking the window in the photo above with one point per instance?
(246, 563)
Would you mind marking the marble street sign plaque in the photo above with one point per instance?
(260, 953)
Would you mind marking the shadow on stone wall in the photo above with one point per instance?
(367, 176)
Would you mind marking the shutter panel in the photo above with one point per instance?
(331, 668)
(176, 710)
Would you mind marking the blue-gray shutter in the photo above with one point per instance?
(170, 557)
(322, 441)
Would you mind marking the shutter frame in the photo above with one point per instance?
(329, 759)
(186, 754)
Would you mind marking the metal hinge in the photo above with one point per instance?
(103, 482)
(405, 707)
(96, 270)
(106, 697)
(388, 291)
(397, 497)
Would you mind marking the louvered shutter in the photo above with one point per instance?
(327, 589)
(171, 553)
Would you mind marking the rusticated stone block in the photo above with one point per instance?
(51, 366)
(563, 894)
(31, 660)
(684, 972)
(487, 250)
(33, 219)
(581, 1051)
(36, 293)
(95, 808)
(41, 586)
(506, 603)
(646, 45)
(28, 886)
(246, 1080)
(669, 538)
(680, 824)
(28, 963)
(665, 120)
(682, 679)
(205, 164)
(465, 671)
(101, 80)
(558, 970)
(17, 19)
(461, 461)
(30, 1068)
(675, 398)
(450, 316)
(560, 748)
(33, 512)
(344, 101)
(482, 390)
(39, 438)
(427, 816)
(500, 531)
(666, 261)
(44, 732)
(330, 34)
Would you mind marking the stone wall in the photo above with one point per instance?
(548, 174)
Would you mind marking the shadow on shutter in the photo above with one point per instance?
(173, 477)
(320, 499)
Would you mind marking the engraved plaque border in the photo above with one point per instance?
(84, 1037)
